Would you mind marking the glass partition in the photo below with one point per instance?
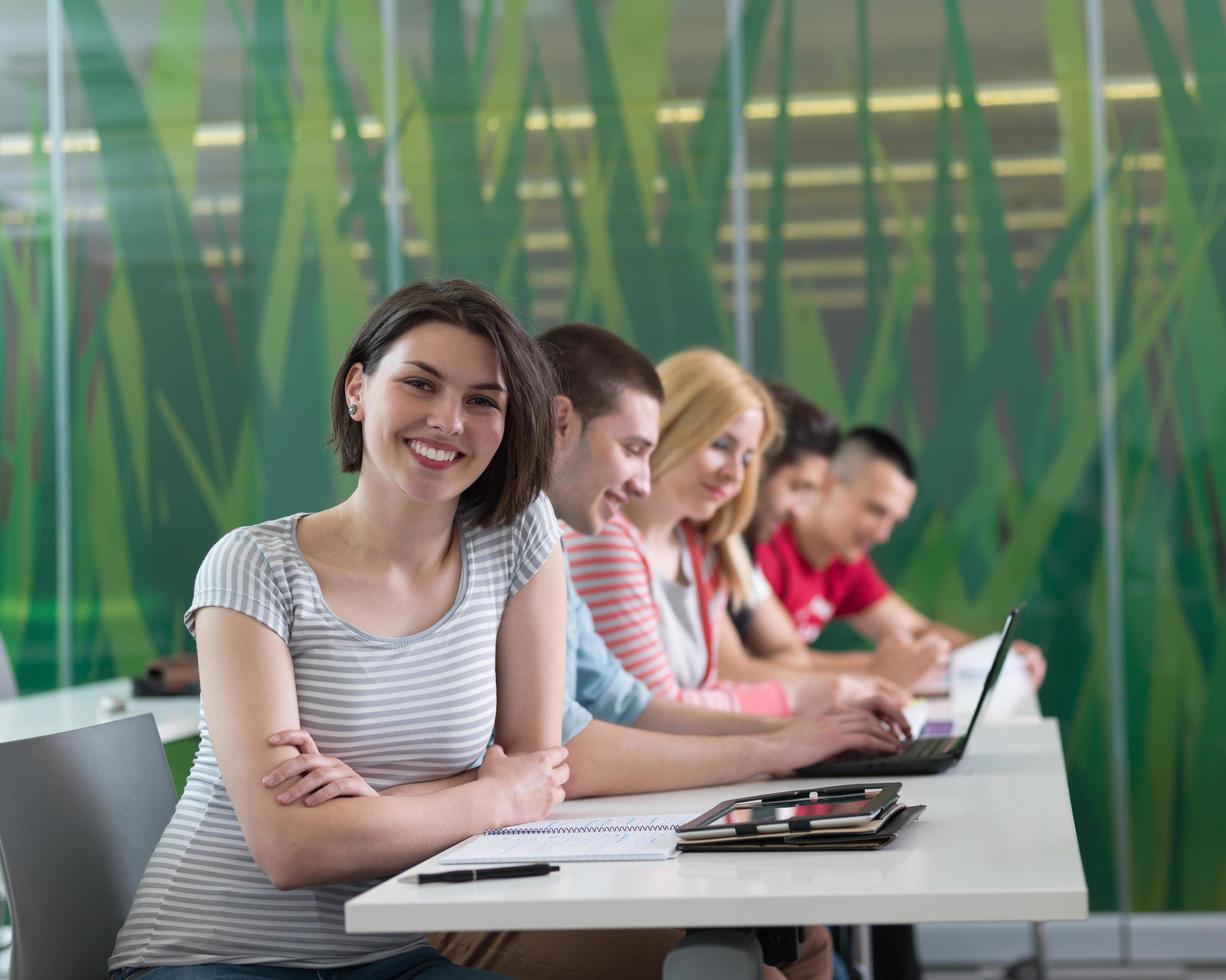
(27, 396)
(245, 180)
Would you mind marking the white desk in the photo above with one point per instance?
(997, 843)
(78, 707)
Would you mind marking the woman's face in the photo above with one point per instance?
(432, 411)
(714, 474)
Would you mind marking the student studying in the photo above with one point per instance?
(658, 580)
(793, 473)
(819, 565)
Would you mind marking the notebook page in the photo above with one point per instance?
(621, 838)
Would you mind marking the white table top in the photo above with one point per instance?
(78, 707)
(997, 843)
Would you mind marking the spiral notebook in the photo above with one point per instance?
(633, 838)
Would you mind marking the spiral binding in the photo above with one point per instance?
(608, 829)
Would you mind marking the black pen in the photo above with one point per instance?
(479, 874)
(788, 796)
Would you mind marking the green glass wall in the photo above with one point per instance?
(1169, 280)
(245, 179)
(27, 398)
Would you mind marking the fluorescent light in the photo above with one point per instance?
(674, 113)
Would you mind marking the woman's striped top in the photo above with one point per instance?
(397, 710)
(614, 577)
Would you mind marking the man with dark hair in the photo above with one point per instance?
(594, 367)
(819, 566)
(620, 738)
(793, 476)
(793, 472)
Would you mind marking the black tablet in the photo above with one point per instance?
(795, 811)
(858, 838)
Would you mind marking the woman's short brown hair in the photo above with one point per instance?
(520, 468)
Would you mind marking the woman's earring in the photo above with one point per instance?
(353, 410)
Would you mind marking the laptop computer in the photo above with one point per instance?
(920, 755)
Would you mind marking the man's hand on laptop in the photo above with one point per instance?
(804, 741)
(907, 659)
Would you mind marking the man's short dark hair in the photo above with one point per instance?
(592, 367)
(520, 468)
(870, 442)
(807, 430)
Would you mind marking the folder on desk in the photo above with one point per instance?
(867, 837)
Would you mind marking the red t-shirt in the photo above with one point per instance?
(816, 596)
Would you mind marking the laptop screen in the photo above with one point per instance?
(998, 663)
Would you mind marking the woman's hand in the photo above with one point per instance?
(525, 786)
(320, 777)
(812, 697)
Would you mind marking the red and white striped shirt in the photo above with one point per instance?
(612, 574)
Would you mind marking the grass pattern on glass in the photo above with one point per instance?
(199, 397)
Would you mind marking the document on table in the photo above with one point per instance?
(623, 838)
(969, 665)
(916, 713)
(962, 683)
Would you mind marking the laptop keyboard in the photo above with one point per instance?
(925, 748)
(918, 748)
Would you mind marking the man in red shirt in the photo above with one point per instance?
(819, 566)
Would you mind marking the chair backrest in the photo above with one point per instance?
(80, 813)
(8, 680)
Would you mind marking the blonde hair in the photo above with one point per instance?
(704, 391)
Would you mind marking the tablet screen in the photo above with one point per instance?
(837, 806)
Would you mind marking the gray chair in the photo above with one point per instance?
(80, 814)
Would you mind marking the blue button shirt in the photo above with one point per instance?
(596, 684)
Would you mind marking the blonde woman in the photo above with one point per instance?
(658, 579)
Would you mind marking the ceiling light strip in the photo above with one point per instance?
(685, 112)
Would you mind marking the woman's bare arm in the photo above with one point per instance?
(532, 661)
(247, 686)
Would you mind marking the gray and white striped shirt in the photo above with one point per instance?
(396, 709)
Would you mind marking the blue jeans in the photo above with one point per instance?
(422, 963)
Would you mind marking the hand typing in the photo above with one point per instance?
(808, 740)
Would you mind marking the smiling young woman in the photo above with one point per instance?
(487, 337)
(355, 662)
